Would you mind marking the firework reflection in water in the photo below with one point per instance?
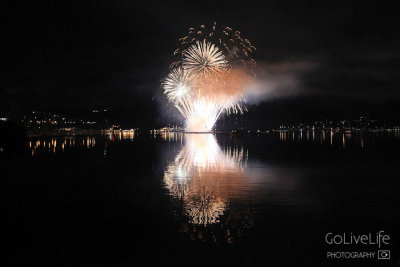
(204, 176)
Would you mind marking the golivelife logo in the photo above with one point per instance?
(379, 240)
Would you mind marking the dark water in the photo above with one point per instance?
(198, 199)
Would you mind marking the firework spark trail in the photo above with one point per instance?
(202, 114)
(209, 76)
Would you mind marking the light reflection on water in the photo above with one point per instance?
(61, 143)
(218, 187)
(169, 136)
(264, 193)
(332, 138)
(204, 176)
(215, 188)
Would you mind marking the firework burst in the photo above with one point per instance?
(177, 85)
(236, 49)
(203, 58)
(211, 71)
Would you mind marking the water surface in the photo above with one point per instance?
(115, 200)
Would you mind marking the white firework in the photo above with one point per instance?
(201, 114)
(203, 58)
(206, 82)
(177, 85)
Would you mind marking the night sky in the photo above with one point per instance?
(334, 60)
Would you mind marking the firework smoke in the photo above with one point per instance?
(209, 75)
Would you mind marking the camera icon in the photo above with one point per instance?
(383, 254)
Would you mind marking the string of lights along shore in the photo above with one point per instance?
(212, 67)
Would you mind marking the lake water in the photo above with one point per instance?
(198, 199)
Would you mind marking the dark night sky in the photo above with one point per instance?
(67, 57)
